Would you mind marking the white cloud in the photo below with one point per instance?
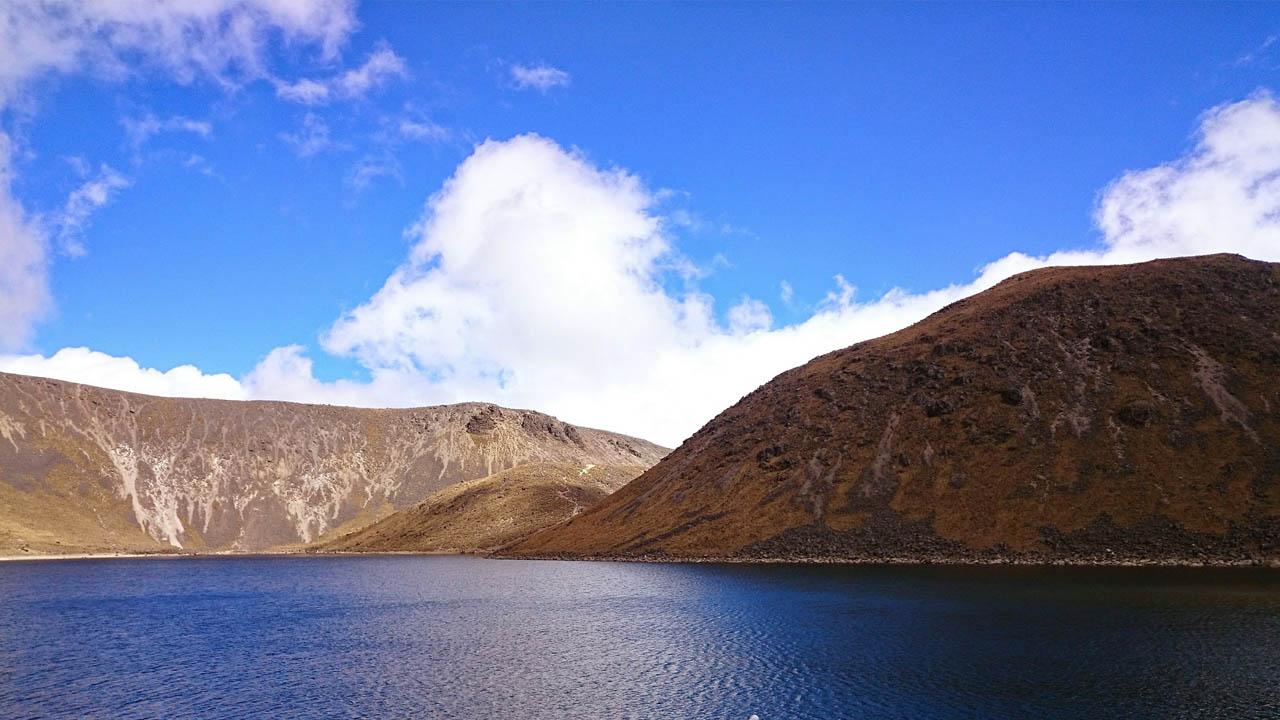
(82, 365)
(311, 138)
(305, 91)
(382, 65)
(840, 298)
(537, 280)
(1260, 53)
(370, 168)
(382, 161)
(200, 164)
(425, 131)
(540, 280)
(140, 130)
(748, 316)
(93, 194)
(785, 292)
(1224, 196)
(539, 77)
(24, 267)
(223, 41)
(286, 374)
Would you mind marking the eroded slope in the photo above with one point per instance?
(84, 469)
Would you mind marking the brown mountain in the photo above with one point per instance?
(1086, 414)
(84, 469)
(490, 512)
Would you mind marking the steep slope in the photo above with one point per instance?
(490, 512)
(84, 469)
(1127, 413)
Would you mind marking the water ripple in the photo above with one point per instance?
(445, 637)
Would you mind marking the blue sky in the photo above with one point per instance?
(902, 147)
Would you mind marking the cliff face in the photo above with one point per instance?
(87, 469)
(490, 512)
(1127, 413)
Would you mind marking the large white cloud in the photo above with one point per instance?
(1222, 197)
(540, 280)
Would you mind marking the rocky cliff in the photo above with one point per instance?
(84, 469)
(1082, 414)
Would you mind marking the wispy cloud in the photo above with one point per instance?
(370, 168)
(394, 132)
(140, 130)
(311, 138)
(539, 77)
(422, 131)
(382, 66)
(92, 195)
(200, 164)
(1260, 53)
(222, 41)
(226, 41)
(304, 91)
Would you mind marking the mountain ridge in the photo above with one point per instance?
(88, 469)
(1073, 414)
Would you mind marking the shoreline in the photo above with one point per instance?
(88, 556)
(1272, 563)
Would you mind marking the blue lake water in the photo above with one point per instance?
(459, 637)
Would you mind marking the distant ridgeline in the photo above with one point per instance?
(83, 469)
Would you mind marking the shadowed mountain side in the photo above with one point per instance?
(490, 512)
(85, 469)
(1081, 414)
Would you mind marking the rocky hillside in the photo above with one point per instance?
(83, 469)
(490, 512)
(1085, 414)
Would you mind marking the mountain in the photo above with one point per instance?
(491, 512)
(1079, 414)
(84, 469)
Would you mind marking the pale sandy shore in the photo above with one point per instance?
(86, 556)
(191, 555)
(137, 556)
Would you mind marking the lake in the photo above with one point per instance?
(462, 637)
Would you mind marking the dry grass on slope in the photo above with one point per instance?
(490, 512)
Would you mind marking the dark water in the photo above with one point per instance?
(447, 637)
